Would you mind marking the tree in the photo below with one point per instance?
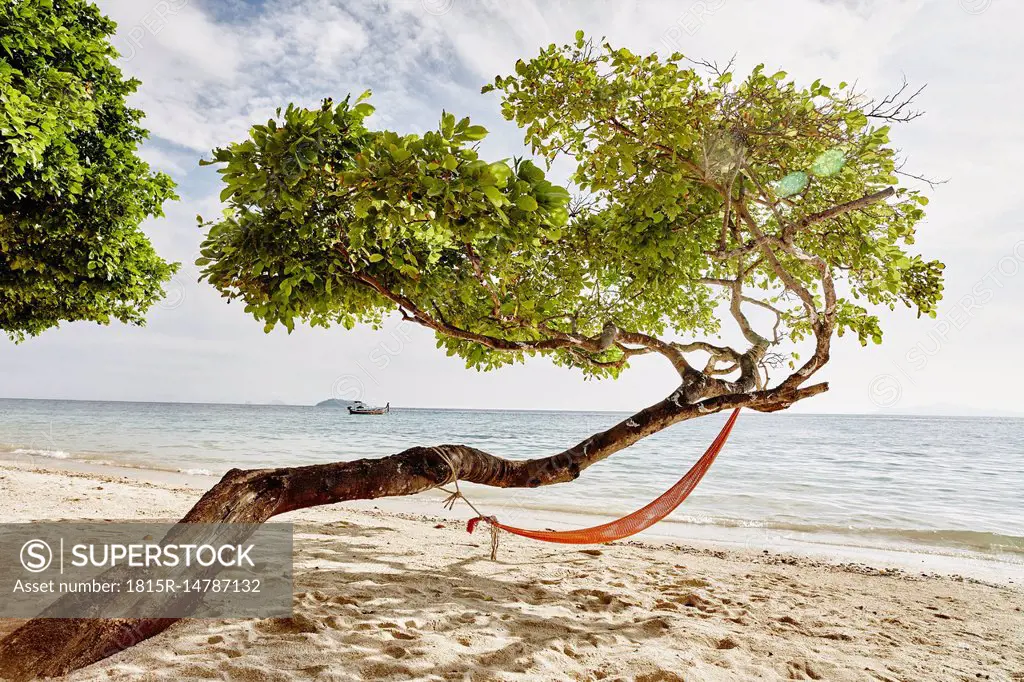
(697, 195)
(72, 189)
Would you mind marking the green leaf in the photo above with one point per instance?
(526, 203)
(494, 194)
(361, 207)
(364, 109)
(501, 173)
(447, 124)
(475, 133)
(530, 172)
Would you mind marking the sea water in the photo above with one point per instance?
(945, 485)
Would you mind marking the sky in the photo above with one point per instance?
(211, 68)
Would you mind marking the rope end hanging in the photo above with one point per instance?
(453, 497)
(456, 495)
(495, 532)
(495, 538)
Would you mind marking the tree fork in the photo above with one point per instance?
(51, 647)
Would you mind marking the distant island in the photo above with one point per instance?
(334, 402)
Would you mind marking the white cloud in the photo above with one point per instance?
(162, 160)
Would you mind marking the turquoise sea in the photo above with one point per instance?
(943, 485)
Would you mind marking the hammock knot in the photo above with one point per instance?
(453, 497)
(473, 522)
(492, 521)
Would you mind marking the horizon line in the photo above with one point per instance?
(1010, 415)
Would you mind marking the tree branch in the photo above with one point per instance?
(791, 282)
(558, 340)
(479, 274)
(894, 109)
(771, 308)
(847, 207)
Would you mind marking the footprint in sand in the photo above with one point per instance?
(726, 643)
(700, 600)
(803, 669)
(195, 671)
(597, 600)
(382, 671)
(660, 676)
(742, 617)
(654, 626)
(398, 634)
(837, 636)
(250, 672)
(298, 623)
(315, 670)
(337, 623)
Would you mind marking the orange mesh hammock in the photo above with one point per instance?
(641, 519)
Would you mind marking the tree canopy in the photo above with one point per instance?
(73, 192)
(700, 197)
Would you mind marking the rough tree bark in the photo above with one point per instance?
(53, 647)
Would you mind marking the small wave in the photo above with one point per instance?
(983, 541)
(715, 521)
(26, 454)
(196, 472)
(33, 452)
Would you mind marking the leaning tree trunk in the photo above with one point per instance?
(52, 647)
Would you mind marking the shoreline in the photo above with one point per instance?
(907, 557)
(382, 593)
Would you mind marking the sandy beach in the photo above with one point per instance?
(390, 596)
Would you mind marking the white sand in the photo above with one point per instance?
(381, 596)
